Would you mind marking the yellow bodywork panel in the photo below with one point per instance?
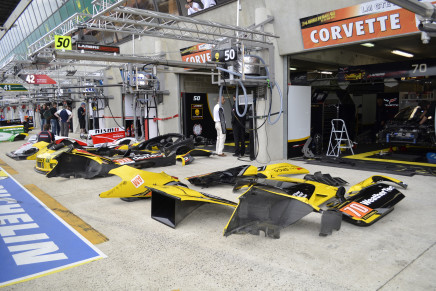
(373, 180)
(186, 194)
(275, 170)
(42, 148)
(321, 194)
(135, 181)
(45, 161)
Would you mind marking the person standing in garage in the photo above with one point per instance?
(81, 114)
(64, 116)
(218, 117)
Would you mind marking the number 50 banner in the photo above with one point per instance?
(63, 42)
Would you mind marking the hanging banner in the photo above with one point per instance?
(98, 48)
(366, 21)
(38, 79)
(12, 87)
(199, 53)
(34, 240)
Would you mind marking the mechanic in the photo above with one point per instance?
(55, 129)
(429, 112)
(64, 115)
(45, 134)
(81, 114)
(218, 116)
(238, 125)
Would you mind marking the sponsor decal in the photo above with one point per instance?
(137, 181)
(147, 156)
(299, 194)
(124, 161)
(356, 209)
(377, 196)
(197, 129)
(196, 111)
(105, 130)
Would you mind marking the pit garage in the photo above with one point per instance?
(380, 88)
(137, 196)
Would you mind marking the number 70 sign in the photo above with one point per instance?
(63, 42)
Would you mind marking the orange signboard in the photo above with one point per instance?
(199, 53)
(371, 20)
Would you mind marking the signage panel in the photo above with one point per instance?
(13, 87)
(34, 240)
(38, 79)
(98, 48)
(199, 53)
(370, 20)
(63, 42)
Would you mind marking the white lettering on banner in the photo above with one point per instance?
(105, 130)
(36, 253)
(14, 218)
(11, 223)
(377, 196)
(23, 238)
(88, 46)
(9, 230)
(358, 27)
(12, 208)
(203, 58)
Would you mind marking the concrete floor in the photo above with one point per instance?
(396, 253)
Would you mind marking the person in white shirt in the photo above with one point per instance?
(64, 115)
(220, 136)
(192, 7)
(208, 3)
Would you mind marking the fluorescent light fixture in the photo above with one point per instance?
(401, 53)
(292, 69)
(326, 72)
(368, 44)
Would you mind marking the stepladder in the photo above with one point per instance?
(339, 139)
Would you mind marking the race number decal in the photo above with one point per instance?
(356, 209)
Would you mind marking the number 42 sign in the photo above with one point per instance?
(63, 42)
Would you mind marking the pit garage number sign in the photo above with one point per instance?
(12, 87)
(225, 55)
(38, 79)
(63, 42)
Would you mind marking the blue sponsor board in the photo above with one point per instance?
(34, 241)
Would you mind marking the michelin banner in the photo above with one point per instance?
(34, 241)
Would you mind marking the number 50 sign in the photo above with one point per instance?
(63, 42)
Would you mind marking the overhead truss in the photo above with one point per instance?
(156, 24)
(110, 16)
